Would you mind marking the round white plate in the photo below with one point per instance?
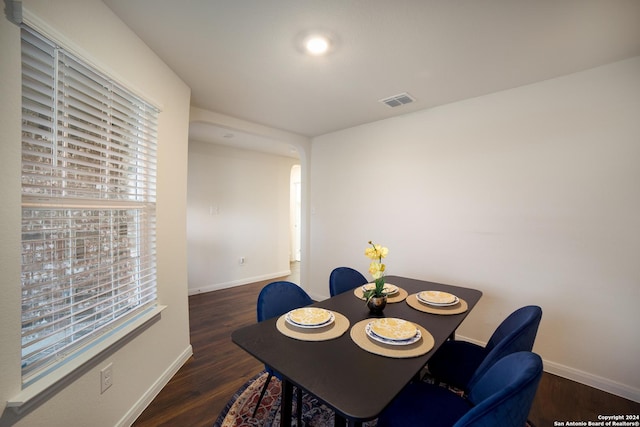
(392, 328)
(310, 317)
(383, 340)
(437, 298)
(389, 289)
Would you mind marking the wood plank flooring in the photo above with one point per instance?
(199, 391)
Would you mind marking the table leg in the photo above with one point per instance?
(287, 398)
(341, 421)
(298, 407)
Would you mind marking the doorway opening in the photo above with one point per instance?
(295, 214)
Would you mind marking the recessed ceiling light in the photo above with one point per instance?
(317, 45)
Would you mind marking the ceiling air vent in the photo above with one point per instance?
(398, 100)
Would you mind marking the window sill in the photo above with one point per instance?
(71, 369)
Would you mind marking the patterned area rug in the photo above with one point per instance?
(238, 412)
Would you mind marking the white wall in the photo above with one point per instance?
(531, 195)
(238, 206)
(144, 363)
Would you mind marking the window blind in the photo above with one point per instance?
(88, 204)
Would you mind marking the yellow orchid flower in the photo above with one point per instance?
(377, 269)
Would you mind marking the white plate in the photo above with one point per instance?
(437, 298)
(392, 328)
(388, 341)
(389, 289)
(310, 317)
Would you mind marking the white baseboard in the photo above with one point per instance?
(142, 403)
(582, 377)
(592, 380)
(245, 281)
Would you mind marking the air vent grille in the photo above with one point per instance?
(398, 100)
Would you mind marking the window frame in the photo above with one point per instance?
(110, 333)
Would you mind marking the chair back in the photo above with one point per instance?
(504, 394)
(516, 333)
(277, 298)
(343, 279)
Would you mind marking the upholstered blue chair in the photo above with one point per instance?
(461, 363)
(343, 279)
(276, 299)
(502, 397)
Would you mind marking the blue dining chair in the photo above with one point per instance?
(276, 299)
(343, 279)
(461, 363)
(502, 396)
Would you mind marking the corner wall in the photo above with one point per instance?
(531, 195)
(146, 362)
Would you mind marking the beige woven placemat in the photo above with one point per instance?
(339, 326)
(413, 302)
(397, 297)
(359, 336)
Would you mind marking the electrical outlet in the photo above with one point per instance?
(106, 378)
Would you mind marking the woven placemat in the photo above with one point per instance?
(339, 326)
(460, 307)
(360, 337)
(397, 297)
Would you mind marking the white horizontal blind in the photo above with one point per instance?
(88, 205)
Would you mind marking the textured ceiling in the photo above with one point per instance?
(241, 58)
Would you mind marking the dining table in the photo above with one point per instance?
(342, 372)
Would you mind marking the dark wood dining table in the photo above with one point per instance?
(355, 383)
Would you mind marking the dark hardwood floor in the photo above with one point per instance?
(201, 388)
